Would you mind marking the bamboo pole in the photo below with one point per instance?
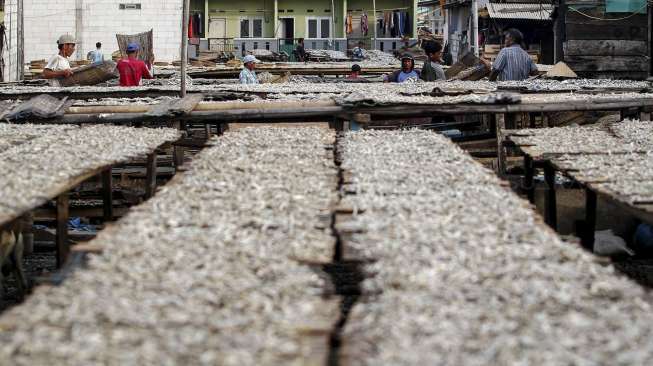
(203, 106)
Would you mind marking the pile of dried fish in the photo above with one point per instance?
(326, 55)
(465, 273)
(599, 85)
(38, 170)
(15, 134)
(206, 272)
(616, 158)
(380, 57)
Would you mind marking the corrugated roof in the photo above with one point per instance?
(520, 11)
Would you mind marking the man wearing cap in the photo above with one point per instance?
(406, 73)
(131, 69)
(248, 75)
(58, 67)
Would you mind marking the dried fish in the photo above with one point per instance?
(206, 271)
(462, 272)
(46, 163)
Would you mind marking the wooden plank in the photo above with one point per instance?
(606, 18)
(606, 47)
(63, 247)
(585, 31)
(603, 63)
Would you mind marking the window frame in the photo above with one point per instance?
(251, 20)
(318, 20)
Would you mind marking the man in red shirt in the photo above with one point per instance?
(131, 69)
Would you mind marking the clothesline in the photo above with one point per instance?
(377, 10)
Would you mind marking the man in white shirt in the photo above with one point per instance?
(248, 75)
(58, 67)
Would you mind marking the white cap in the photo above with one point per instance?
(65, 39)
(250, 58)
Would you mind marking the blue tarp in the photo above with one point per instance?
(625, 6)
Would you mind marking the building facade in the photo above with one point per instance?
(89, 21)
(216, 25)
(277, 24)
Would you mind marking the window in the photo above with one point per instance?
(251, 27)
(318, 27)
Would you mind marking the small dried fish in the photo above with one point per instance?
(462, 272)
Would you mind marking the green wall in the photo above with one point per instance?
(234, 10)
(300, 13)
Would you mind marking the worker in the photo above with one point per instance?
(58, 67)
(300, 51)
(407, 71)
(355, 72)
(512, 62)
(248, 75)
(96, 56)
(358, 53)
(432, 69)
(131, 69)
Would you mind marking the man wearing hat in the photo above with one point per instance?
(131, 69)
(248, 75)
(406, 73)
(58, 67)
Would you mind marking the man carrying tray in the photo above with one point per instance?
(58, 67)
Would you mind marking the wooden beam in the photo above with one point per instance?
(605, 47)
(551, 212)
(107, 195)
(63, 247)
(603, 63)
(607, 30)
(150, 181)
(501, 152)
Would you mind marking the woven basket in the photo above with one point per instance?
(92, 74)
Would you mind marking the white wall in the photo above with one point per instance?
(10, 50)
(92, 21)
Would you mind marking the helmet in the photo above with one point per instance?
(407, 56)
(66, 39)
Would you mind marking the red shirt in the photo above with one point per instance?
(132, 71)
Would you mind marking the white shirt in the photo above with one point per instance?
(57, 63)
(248, 77)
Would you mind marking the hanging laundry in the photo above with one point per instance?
(406, 24)
(349, 24)
(196, 25)
(190, 28)
(200, 23)
(393, 25)
(364, 25)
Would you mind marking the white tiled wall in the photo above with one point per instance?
(100, 21)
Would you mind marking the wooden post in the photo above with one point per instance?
(590, 219)
(643, 115)
(63, 247)
(529, 173)
(207, 130)
(501, 153)
(184, 45)
(551, 214)
(150, 180)
(559, 33)
(107, 195)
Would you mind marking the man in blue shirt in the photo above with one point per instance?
(96, 56)
(406, 73)
(248, 75)
(512, 62)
